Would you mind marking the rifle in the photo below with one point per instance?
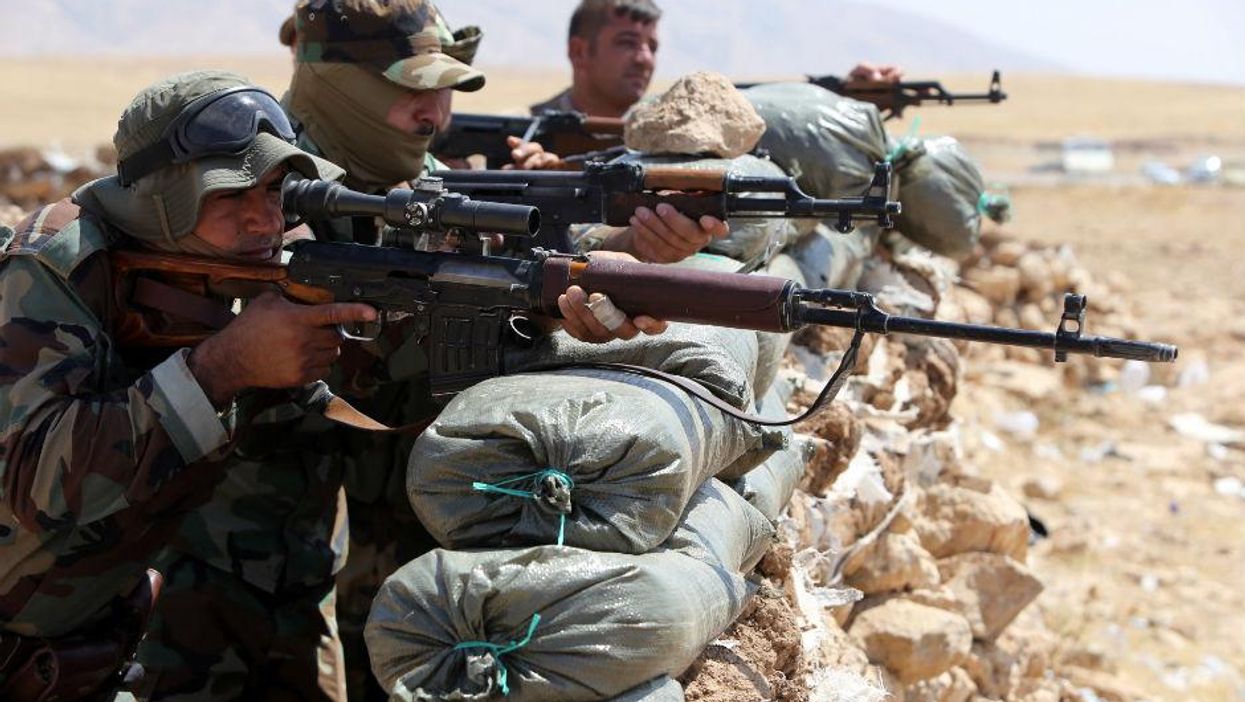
(893, 98)
(609, 193)
(563, 133)
(469, 310)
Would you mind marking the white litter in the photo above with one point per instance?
(1195, 426)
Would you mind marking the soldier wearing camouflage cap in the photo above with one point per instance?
(104, 449)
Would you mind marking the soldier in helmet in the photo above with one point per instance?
(104, 448)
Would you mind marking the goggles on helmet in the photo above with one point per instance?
(217, 124)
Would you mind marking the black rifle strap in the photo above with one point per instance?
(846, 365)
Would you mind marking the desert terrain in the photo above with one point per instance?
(1144, 560)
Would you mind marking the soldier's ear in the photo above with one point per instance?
(577, 50)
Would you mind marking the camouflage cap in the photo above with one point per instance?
(402, 39)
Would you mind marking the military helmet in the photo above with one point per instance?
(404, 40)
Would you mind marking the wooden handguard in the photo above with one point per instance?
(668, 178)
(672, 293)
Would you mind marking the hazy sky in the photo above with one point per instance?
(1185, 39)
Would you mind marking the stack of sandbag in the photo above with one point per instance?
(830, 145)
(556, 622)
(944, 196)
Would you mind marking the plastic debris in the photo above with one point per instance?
(1196, 373)
(1133, 377)
(1208, 169)
(1160, 173)
(1152, 394)
(1022, 424)
(1230, 486)
(1194, 426)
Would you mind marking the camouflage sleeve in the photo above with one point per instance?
(80, 438)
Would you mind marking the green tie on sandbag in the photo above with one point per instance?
(499, 650)
(558, 494)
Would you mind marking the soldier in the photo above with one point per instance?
(612, 46)
(104, 448)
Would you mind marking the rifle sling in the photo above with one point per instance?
(846, 365)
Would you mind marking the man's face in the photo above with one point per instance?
(619, 63)
(245, 223)
(421, 112)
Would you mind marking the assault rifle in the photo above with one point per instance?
(469, 310)
(563, 133)
(893, 98)
(608, 193)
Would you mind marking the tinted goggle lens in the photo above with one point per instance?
(230, 123)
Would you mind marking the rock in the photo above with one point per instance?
(998, 285)
(1029, 381)
(955, 685)
(939, 597)
(1040, 690)
(991, 589)
(896, 562)
(840, 433)
(914, 641)
(1036, 278)
(955, 519)
(701, 113)
(1045, 487)
(10, 215)
(963, 305)
(1007, 253)
(1108, 686)
(1032, 317)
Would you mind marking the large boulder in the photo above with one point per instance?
(991, 589)
(914, 641)
(701, 113)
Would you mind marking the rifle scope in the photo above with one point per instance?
(429, 207)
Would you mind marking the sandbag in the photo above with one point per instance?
(771, 345)
(828, 142)
(829, 259)
(628, 451)
(662, 689)
(769, 486)
(751, 241)
(943, 196)
(604, 622)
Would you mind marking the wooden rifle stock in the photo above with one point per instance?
(208, 280)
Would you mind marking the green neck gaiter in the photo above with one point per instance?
(343, 107)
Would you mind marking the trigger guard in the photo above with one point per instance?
(351, 336)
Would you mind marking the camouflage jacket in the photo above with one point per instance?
(98, 457)
(103, 453)
(558, 103)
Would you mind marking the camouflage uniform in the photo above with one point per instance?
(105, 449)
(273, 537)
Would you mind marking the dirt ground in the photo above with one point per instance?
(1145, 558)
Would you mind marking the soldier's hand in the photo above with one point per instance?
(665, 235)
(876, 73)
(530, 156)
(273, 343)
(594, 318)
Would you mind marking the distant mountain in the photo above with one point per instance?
(741, 38)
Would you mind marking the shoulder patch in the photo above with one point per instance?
(60, 235)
